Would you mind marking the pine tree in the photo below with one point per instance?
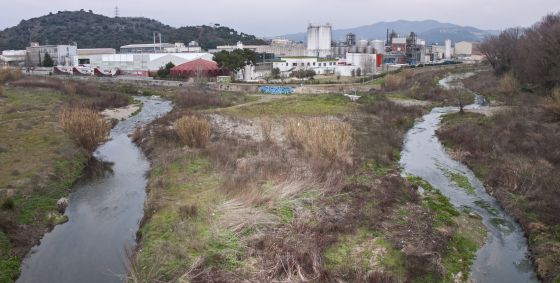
(47, 60)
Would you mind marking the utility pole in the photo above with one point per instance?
(116, 11)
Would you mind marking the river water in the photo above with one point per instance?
(104, 212)
(504, 256)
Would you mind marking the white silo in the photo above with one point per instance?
(319, 40)
(378, 45)
(325, 37)
(312, 37)
(448, 49)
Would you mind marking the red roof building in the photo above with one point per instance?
(198, 67)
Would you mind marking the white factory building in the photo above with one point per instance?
(319, 40)
(138, 64)
(321, 66)
(278, 47)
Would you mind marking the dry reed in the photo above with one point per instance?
(323, 138)
(508, 84)
(193, 131)
(85, 126)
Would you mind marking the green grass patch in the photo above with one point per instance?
(363, 251)
(444, 211)
(9, 264)
(459, 258)
(461, 181)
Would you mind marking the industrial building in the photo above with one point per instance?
(319, 40)
(469, 51)
(139, 64)
(278, 47)
(321, 66)
(13, 58)
(145, 48)
(61, 54)
(340, 49)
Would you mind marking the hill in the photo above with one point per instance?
(91, 30)
(430, 30)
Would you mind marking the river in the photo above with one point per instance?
(104, 212)
(504, 256)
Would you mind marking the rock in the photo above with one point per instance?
(62, 204)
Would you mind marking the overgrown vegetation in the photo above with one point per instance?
(516, 153)
(529, 54)
(298, 188)
(40, 162)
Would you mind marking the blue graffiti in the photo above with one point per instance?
(276, 89)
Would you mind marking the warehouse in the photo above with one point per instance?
(139, 64)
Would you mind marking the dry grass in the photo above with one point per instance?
(8, 75)
(193, 131)
(321, 138)
(508, 84)
(85, 126)
(266, 129)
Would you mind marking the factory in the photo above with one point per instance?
(61, 54)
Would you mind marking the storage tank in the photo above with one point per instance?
(448, 49)
(325, 37)
(363, 43)
(378, 45)
(370, 49)
(312, 37)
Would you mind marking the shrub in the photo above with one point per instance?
(85, 126)
(1, 91)
(8, 204)
(328, 139)
(192, 131)
(394, 81)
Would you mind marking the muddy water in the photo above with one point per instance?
(504, 256)
(104, 213)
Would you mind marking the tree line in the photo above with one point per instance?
(531, 55)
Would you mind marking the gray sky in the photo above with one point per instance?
(268, 18)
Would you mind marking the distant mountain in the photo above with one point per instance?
(430, 30)
(90, 30)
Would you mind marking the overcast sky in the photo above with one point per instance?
(270, 18)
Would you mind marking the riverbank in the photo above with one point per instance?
(515, 153)
(257, 203)
(39, 162)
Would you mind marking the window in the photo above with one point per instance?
(294, 64)
(313, 63)
(287, 64)
(308, 64)
(303, 64)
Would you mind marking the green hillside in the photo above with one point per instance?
(90, 30)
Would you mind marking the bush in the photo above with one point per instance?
(192, 131)
(1, 91)
(394, 81)
(85, 126)
(321, 138)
